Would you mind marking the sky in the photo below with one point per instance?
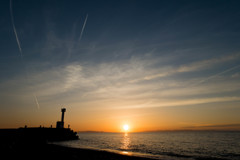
(151, 64)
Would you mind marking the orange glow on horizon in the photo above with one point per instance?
(136, 120)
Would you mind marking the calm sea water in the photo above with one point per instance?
(165, 145)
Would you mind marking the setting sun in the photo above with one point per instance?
(126, 127)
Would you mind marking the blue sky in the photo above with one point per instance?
(120, 55)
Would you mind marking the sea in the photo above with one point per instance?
(172, 145)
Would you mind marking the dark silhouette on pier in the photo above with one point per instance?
(26, 141)
(28, 135)
(60, 124)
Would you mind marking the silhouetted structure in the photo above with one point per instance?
(60, 124)
(38, 134)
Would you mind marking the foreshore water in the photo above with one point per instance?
(183, 145)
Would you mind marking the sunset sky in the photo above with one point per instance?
(151, 64)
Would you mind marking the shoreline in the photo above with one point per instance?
(36, 143)
(54, 151)
(35, 150)
(18, 145)
(90, 154)
(70, 153)
(118, 152)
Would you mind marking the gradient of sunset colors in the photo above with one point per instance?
(153, 65)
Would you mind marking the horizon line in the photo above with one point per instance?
(179, 130)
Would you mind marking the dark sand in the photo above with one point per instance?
(22, 145)
(89, 154)
(51, 151)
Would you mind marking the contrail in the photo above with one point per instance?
(36, 100)
(14, 28)
(213, 76)
(80, 37)
(84, 24)
(20, 49)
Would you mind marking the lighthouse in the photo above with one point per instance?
(60, 124)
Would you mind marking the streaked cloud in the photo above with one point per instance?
(116, 81)
(185, 102)
(206, 64)
(195, 66)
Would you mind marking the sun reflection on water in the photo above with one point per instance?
(125, 143)
(124, 152)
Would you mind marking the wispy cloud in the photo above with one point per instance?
(195, 66)
(206, 64)
(110, 82)
(185, 102)
(218, 74)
